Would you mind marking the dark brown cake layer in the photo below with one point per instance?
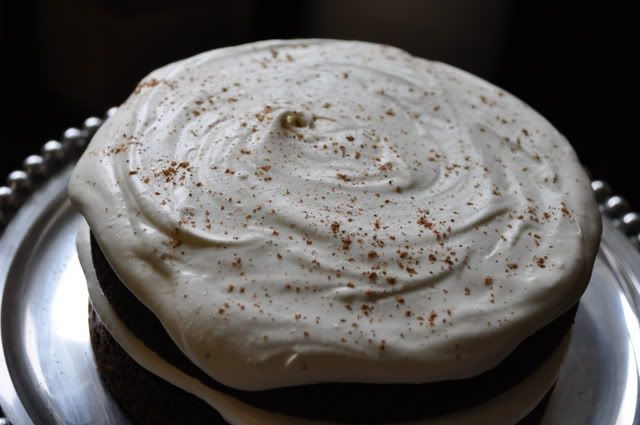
(147, 398)
(381, 403)
(150, 400)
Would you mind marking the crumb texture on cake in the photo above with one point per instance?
(307, 211)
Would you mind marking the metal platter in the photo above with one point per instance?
(47, 369)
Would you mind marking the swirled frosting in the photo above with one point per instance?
(309, 211)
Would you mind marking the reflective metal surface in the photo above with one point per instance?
(47, 371)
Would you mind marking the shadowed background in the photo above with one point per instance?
(63, 60)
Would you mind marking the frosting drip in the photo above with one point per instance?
(324, 211)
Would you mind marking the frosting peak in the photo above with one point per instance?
(323, 211)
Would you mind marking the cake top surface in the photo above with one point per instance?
(312, 211)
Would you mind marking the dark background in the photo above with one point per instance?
(63, 60)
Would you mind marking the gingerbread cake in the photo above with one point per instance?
(330, 232)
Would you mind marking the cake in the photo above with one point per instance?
(330, 232)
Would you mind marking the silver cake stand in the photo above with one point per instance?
(47, 369)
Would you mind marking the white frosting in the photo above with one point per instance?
(311, 211)
(506, 409)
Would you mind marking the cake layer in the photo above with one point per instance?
(296, 212)
(410, 401)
